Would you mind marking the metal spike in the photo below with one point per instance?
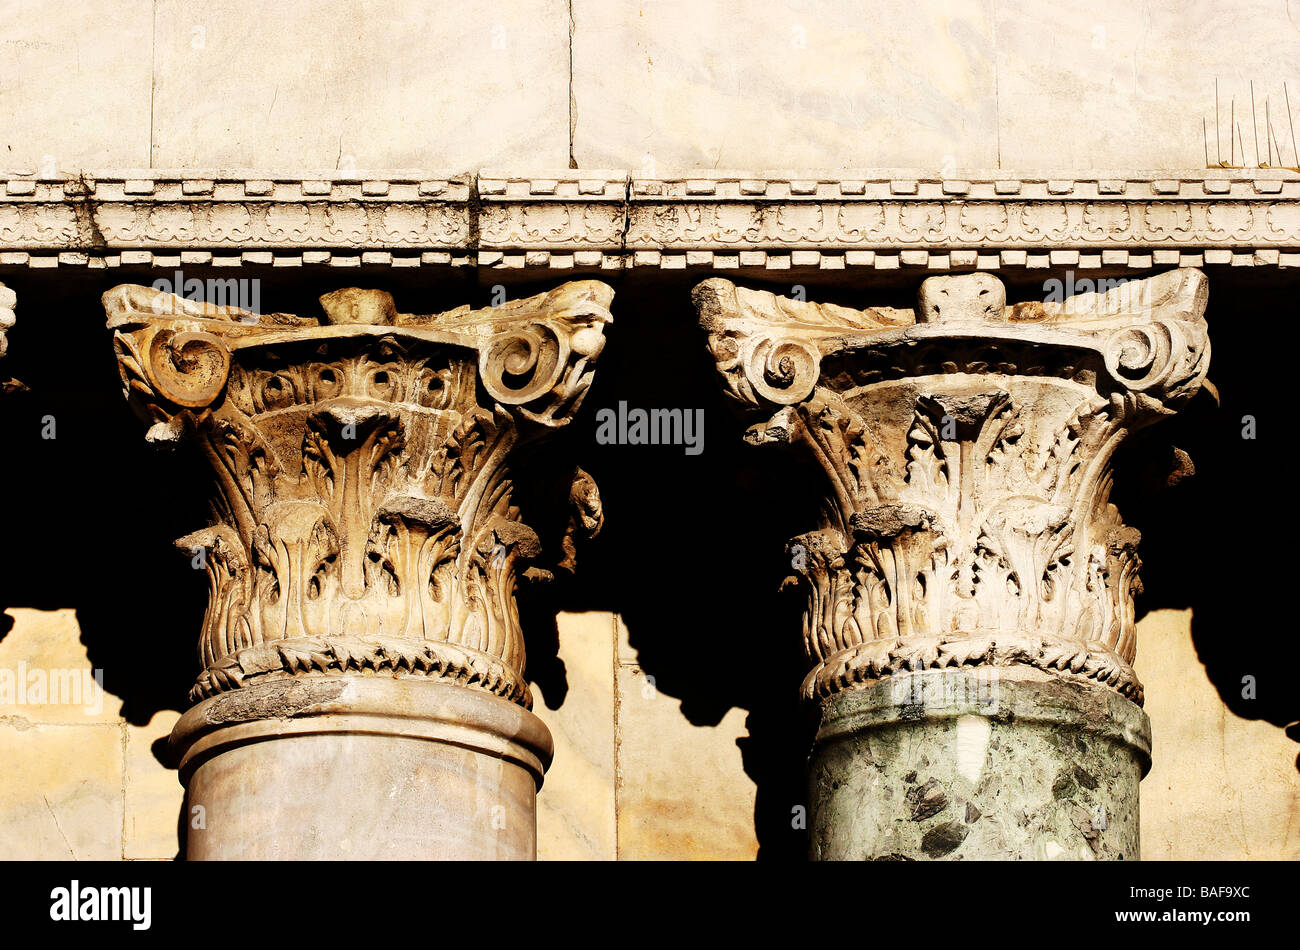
(1218, 147)
(1253, 124)
(1273, 142)
(1294, 153)
(1268, 132)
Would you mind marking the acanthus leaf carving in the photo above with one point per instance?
(366, 508)
(8, 300)
(967, 450)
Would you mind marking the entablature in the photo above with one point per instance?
(610, 221)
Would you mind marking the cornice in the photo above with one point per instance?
(595, 220)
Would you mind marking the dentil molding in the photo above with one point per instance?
(603, 221)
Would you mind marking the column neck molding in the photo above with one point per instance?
(602, 221)
(966, 447)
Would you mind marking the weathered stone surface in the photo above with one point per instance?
(1221, 787)
(955, 764)
(46, 676)
(967, 449)
(153, 796)
(368, 518)
(682, 791)
(859, 222)
(58, 62)
(683, 85)
(48, 810)
(1122, 85)
(828, 84)
(319, 84)
(575, 808)
(1077, 86)
(361, 768)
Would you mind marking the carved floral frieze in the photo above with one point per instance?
(901, 223)
(610, 220)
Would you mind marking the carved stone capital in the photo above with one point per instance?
(967, 447)
(364, 512)
(8, 300)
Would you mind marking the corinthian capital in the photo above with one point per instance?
(8, 300)
(967, 449)
(365, 520)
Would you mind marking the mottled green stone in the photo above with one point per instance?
(978, 764)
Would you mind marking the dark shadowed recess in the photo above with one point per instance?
(692, 551)
(1214, 541)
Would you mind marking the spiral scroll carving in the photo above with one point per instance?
(1165, 358)
(188, 367)
(783, 372)
(519, 367)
